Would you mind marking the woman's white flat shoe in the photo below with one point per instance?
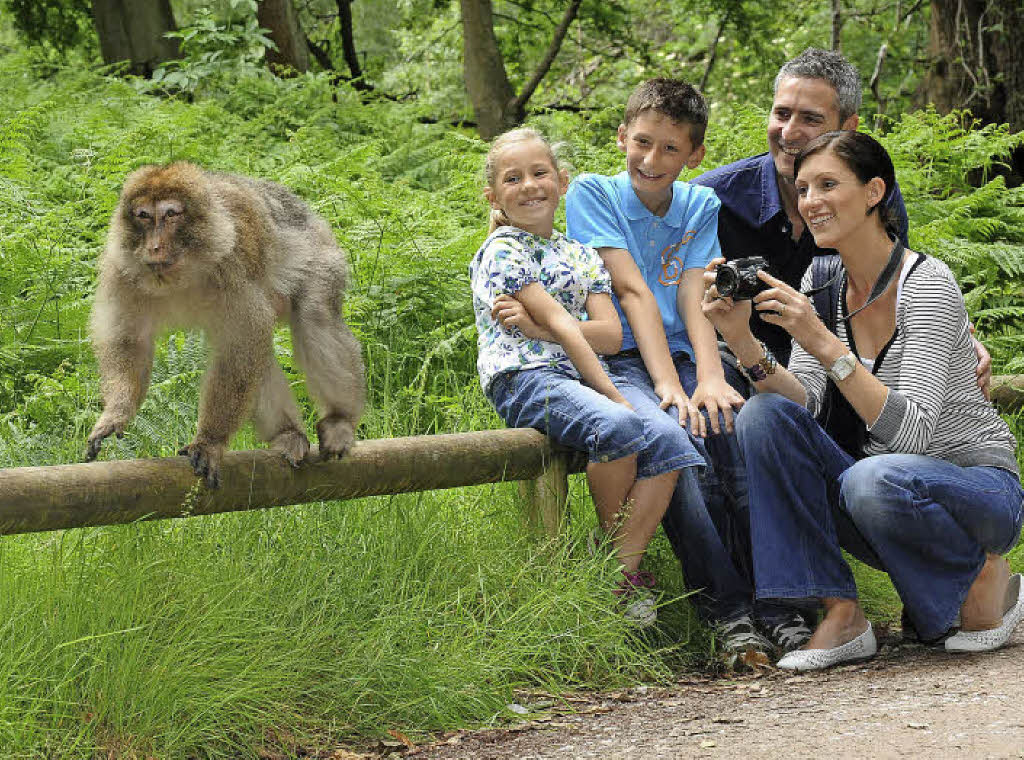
(986, 641)
(861, 648)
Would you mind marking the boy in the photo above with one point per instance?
(656, 235)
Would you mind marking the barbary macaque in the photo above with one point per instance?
(229, 255)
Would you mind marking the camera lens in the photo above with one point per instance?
(726, 280)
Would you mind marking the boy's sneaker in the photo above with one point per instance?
(742, 643)
(790, 635)
(638, 601)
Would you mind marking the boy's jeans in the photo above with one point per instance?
(706, 522)
(928, 523)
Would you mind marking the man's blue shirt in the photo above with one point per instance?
(752, 222)
(605, 212)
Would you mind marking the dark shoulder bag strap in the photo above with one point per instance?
(836, 415)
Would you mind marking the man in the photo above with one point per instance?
(818, 91)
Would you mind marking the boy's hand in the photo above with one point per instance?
(671, 394)
(984, 370)
(716, 395)
(510, 313)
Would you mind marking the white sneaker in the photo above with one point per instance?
(636, 595)
(861, 648)
(986, 641)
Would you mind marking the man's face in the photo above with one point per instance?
(802, 110)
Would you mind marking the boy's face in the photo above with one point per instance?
(802, 110)
(657, 148)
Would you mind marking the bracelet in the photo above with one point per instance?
(764, 367)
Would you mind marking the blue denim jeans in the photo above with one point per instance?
(928, 523)
(706, 522)
(577, 416)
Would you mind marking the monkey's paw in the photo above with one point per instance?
(205, 460)
(102, 429)
(335, 435)
(292, 445)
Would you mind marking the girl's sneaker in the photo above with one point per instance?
(638, 600)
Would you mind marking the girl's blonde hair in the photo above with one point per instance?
(502, 141)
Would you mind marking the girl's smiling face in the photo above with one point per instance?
(832, 199)
(528, 187)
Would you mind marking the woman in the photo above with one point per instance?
(930, 490)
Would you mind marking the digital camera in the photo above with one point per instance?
(738, 279)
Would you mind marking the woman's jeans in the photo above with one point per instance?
(927, 522)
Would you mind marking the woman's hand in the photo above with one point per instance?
(791, 310)
(730, 318)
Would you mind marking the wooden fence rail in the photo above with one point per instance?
(111, 492)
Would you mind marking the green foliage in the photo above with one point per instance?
(216, 48)
(60, 25)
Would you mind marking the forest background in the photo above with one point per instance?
(283, 630)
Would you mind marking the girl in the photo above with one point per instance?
(528, 276)
(920, 479)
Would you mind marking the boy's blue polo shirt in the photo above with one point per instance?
(752, 222)
(605, 212)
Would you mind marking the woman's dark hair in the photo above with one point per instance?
(866, 158)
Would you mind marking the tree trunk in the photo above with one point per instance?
(837, 25)
(280, 18)
(133, 30)
(975, 63)
(487, 83)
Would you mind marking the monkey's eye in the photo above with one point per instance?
(172, 212)
(143, 214)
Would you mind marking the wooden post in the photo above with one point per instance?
(1008, 392)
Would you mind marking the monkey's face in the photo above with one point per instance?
(159, 226)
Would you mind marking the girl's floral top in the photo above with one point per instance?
(509, 260)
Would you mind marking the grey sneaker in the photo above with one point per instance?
(790, 635)
(741, 637)
(637, 598)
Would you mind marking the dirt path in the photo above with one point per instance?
(909, 702)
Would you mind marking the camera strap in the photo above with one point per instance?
(881, 284)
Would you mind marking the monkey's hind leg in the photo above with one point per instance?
(277, 419)
(332, 358)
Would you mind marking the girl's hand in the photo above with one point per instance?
(791, 310)
(730, 318)
(510, 312)
(622, 400)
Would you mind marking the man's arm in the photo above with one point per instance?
(644, 319)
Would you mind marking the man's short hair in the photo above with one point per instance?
(679, 101)
(815, 63)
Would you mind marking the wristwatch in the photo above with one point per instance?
(843, 367)
(763, 368)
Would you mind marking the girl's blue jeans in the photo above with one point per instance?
(927, 522)
(577, 416)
